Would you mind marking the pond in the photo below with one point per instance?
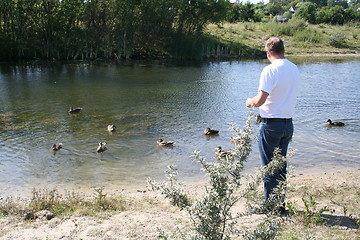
(148, 101)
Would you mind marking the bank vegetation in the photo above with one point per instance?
(177, 29)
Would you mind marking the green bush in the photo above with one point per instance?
(337, 39)
(309, 35)
(286, 29)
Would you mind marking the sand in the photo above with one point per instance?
(156, 219)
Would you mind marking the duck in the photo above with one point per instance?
(111, 128)
(220, 153)
(209, 131)
(75, 110)
(161, 142)
(330, 123)
(101, 147)
(56, 147)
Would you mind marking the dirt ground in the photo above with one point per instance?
(157, 219)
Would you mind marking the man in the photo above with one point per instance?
(276, 99)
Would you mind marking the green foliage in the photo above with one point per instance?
(274, 8)
(102, 29)
(311, 213)
(307, 11)
(332, 15)
(287, 29)
(287, 15)
(172, 189)
(337, 39)
(266, 230)
(342, 3)
(309, 35)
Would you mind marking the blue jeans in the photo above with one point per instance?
(274, 133)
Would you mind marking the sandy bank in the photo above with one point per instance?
(157, 218)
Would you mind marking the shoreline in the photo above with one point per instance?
(121, 187)
(150, 214)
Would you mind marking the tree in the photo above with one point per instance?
(247, 12)
(352, 15)
(307, 11)
(71, 13)
(343, 3)
(274, 8)
(332, 15)
(193, 15)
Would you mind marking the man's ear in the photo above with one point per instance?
(268, 54)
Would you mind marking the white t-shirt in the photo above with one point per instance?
(281, 80)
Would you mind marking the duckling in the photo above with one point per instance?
(220, 153)
(56, 147)
(161, 142)
(75, 110)
(330, 123)
(209, 131)
(111, 128)
(101, 147)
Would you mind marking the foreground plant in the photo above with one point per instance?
(211, 214)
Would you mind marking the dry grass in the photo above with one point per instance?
(300, 37)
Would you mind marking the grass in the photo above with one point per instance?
(300, 37)
(64, 205)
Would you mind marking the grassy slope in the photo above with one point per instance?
(300, 38)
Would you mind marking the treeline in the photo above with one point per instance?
(92, 29)
(119, 29)
(313, 11)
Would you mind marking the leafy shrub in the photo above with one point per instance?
(298, 24)
(308, 35)
(286, 29)
(337, 39)
(311, 213)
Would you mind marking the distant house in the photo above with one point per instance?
(292, 10)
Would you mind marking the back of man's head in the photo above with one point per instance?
(275, 45)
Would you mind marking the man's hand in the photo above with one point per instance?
(258, 100)
(249, 102)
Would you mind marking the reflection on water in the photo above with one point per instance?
(151, 101)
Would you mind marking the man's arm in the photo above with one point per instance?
(258, 100)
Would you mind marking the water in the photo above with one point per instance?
(150, 101)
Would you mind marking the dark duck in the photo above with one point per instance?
(75, 110)
(331, 123)
(209, 131)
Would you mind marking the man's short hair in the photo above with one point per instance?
(275, 45)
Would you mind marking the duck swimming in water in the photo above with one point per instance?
(56, 147)
(330, 123)
(209, 131)
(163, 143)
(75, 110)
(220, 153)
(111, 128)
(101, 147)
